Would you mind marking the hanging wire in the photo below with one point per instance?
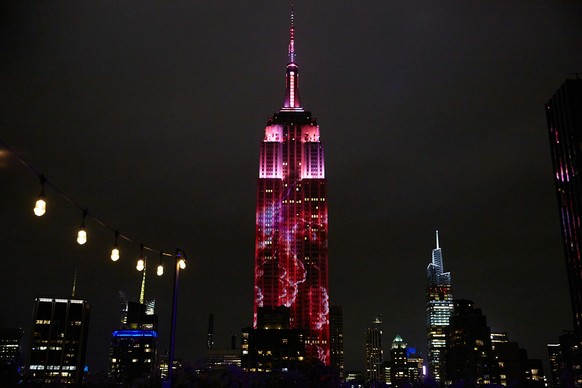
(67, 198)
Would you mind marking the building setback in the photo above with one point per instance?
(469, 356)
(291, 220)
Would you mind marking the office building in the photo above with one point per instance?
(405, 366)
(439, 307)
(398, 362)
(374, 352)
(469, 357)
(336, 335)
(565, 361)
(10, 356)
(210, 335)
(132, 355)
(58, 342)
(291, 266)
(273, 346)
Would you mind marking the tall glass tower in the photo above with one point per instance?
(291, 219)
(374, 352)
(439, 308)
(564, 117)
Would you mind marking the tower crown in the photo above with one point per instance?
(292, 101)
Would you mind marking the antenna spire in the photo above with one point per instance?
(292, 36)
(292, 101)
(437, 240)
(143, 283)
(74, 284)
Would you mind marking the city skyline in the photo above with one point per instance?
(151, 117)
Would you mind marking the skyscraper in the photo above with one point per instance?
(10, 356)
(132, 355)
(564, 117)
(336, 334)
(59, 341)
(374, 352)
(291, 219)
(439, 307)
(469, 357)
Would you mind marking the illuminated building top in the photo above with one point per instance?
(439, 307)
(292, 101)
(291, 219)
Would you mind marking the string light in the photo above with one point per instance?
(160, 271)
(40, 206)
(182, 263)
(82, 233)
(141, 261)
(115, 249)
(40, 210)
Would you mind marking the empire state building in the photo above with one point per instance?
(291, 220)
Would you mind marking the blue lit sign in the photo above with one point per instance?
(135, 333)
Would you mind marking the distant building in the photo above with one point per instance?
(132, 355)
(217, 358)
(162, 367)
(210, 335)
(355, 379)
(59, 341)
(565, 359)
(564, 118)
(272, 346)
(415, 366)
(336, 335)
(10, 356)
(468, 357)
(439, 307)
(405, 367)
(374, 352)
(556, 364)
(398, 363)
(221, 358)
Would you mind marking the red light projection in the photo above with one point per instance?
(291, 223)
(291, 234)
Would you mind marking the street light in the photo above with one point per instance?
(180, 263)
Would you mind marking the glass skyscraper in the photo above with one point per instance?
(374, 351)
(291, 219)
(564, 116)
(439, 307)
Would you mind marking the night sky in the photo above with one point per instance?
(151, 115)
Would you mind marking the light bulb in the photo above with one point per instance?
(160, 270)
(140, 265)
(40, 206)
(182, 263)
(82, 236)
(115, 254)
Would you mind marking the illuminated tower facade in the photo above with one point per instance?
(439, 307)
(564, 116)
(291, 220)
(374, 352)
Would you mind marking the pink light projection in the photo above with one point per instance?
(291, 232)
(291, 219)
